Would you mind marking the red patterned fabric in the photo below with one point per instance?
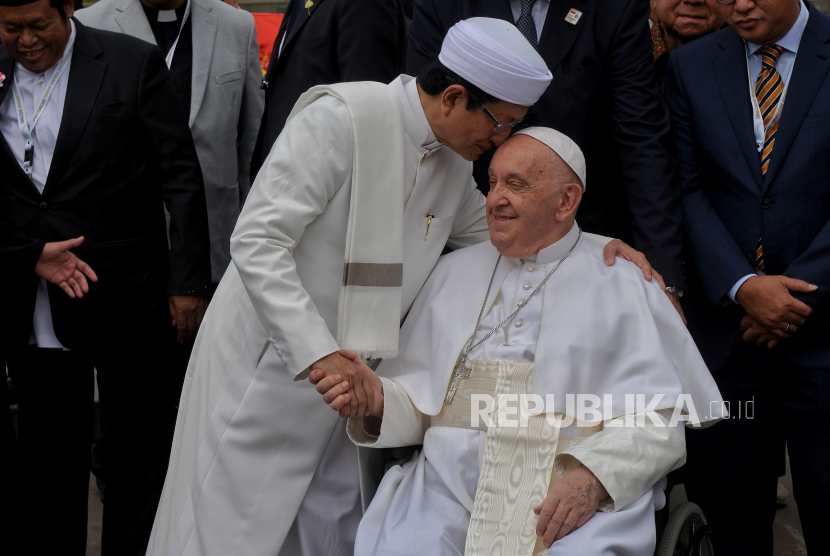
(267, 28)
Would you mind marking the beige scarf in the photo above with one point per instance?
(369, 312)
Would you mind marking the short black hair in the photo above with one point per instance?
(58, 5)
(436, 77)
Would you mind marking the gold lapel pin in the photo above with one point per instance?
(308, 5)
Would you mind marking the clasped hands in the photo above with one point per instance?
(773, 314)
(348, 385)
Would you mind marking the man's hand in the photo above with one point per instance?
(768, 301)
(616, 248)
(569, 506)
(187, 312)
(359, 397)
(754, 332)
(61, 267)
(335, 390)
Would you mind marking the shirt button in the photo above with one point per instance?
(532, 269)
(526, 287)
(519, 323)
(43, 205)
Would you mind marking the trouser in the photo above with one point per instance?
(55, 412)
(9, 468)
(733, 467)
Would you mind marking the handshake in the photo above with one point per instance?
(348, 386)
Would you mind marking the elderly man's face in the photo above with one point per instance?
(470, 132)
(531, 204)
(35, 34)
(688, 19)
(759, 21)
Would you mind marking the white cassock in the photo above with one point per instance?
(590, 329)
(249, 438)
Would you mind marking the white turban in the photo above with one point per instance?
(562, 145)
(493, 55)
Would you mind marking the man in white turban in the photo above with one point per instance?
(548, 390)
(360, 194)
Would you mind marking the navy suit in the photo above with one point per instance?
(727, 204)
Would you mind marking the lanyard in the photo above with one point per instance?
(758, 120)
(169, 58)
(27, 128)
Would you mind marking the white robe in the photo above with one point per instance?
(424, 506)
(249, 437)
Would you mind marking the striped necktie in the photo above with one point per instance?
(525, 22)
(768, 91)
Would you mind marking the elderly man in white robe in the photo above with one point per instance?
(550, 323)
(361, 192)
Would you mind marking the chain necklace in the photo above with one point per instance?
(461, 371)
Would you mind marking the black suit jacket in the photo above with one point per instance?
(728, 203)
(332, 42)
(604, 97)
(123, 151)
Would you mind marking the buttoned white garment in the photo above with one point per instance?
(539, 13)
(784, 66)
(45, 135)
(435, 492)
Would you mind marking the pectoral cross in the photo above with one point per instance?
(459, 373)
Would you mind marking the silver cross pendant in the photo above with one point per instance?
(459, 373)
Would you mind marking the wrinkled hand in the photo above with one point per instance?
(572, 502)
(754, 332)
(61, 267)
(187, 312)
(768, 301)
(616, 248)
(357, 397)
(336, 394)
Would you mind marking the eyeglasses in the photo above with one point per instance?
(500, 127)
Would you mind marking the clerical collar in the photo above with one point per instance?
(415, 120)
(164, 16)
(553, 253)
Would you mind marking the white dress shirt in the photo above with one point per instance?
(784, 66)
(45, 135)
(539, 13)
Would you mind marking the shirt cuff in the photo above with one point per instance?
(737, 286)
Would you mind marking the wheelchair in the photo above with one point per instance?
(684, 531)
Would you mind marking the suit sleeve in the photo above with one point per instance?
(710, 245)
(641, 126)
(813, 266)
(307, 166)
(368, 41)
(425, 36)
(253, 103)
(171, 148)
(18, 253)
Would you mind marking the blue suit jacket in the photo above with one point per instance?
(728, 203)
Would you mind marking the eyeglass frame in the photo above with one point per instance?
(504, 126)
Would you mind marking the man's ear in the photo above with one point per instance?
(69, 8)
(569, 201)
(450, 98)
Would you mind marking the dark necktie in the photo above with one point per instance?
(525, 22)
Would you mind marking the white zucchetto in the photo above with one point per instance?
(493, 55)
(562, 145)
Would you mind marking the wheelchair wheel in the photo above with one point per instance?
(686, 533)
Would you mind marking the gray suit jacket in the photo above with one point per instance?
(225, 107)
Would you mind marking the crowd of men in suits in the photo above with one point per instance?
(146, 141)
